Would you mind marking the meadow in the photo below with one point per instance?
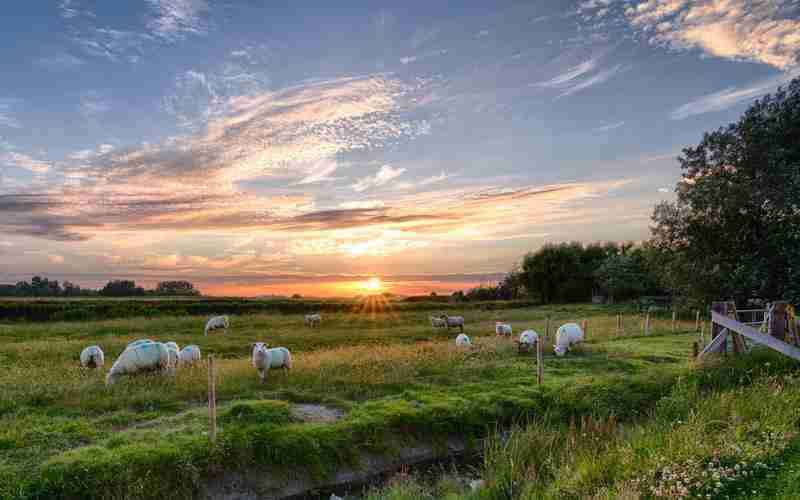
(385, 380)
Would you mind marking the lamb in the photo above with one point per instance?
(567, 335)
(437, 322)
(264, 359)
(217, 323)
(189, 355)
(313, 320)
(453, 321)
(139, 357)
(92, 357)
(501, 328)
(463, 340)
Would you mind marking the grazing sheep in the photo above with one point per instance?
(138, 342)
(140, 357)
(264, 359)
(217, 323)
(529, 338)
(92, 357)
(313, 320)
(189, 355)
(462, 340)
(453, 321)
(501, 328)
(567, 335)
(437, 322)
(172, 345)
(174, 356)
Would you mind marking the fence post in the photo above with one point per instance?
(695, 350)
(697, 321)
(647, 324)
(674, 324)
(539, 367)
(547, 329)
(585, 328)
(703, 333)
(619, 324)
(212, 401)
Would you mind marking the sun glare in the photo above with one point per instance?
(373, 285)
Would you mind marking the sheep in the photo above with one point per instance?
(501, 328)
(463, 340)
(313, 320)
(189, 355)
(217, 323)
(453, 321)
(437, 322)
(139, 357)
(92, 357)
(527, 340)
(174, 357)
(264, 359)
(567, 335)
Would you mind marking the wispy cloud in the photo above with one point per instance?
(320, 171)
(25, 162)
(756, 30)
(577, 78)
(7, 118)
(434, 179)
(60, 62)
(175, 19)
(93, 103)
(724, 99)
(609, 126)
(381, 178)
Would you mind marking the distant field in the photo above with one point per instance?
(64, 434)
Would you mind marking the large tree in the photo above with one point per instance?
(733, 230)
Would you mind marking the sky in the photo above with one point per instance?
(256, 147)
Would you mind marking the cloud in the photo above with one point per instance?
(724, 99)
(753, 30)
(434, 179)
(93, 103)
(6, 113)
(381, 178)
(174, 19)
(70, 9)
(55, 259)
(423, 56)
(320, 172)
(664, 190)
(609, 126)
(23, 161)
(576, 78)
(366, 204)
(60, 62)
(114, 44)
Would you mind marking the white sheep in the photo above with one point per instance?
(528, 338)
(189, 355)
(453, 321)
(437, 322)
(264, 359)
(174, 357)
(313, 320)
(501, 328)
(217, 323)
(139, 357)
(92, 357)
(463, 340)
(567, 336)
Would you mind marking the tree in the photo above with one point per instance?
(627, 275)
(176, 288)
(733, 230)
(121, 288)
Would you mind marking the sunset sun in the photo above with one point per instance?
(373, 285)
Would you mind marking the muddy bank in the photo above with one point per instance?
(261, 484)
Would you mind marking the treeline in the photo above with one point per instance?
(573, 272)
(44, 287)
(733, 232)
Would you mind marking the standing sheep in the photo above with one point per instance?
(567, 336)
(174, 356)
(189, 355)
(453, 321)
(265, 359)
(313, 320)
(139, 357)
(501, 328)
(437, 322)
(463, 340)
(217, 323)
(92, 357)
(527, 340)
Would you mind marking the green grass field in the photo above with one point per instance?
(395, 380)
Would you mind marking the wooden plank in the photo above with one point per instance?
(539, 363)
(756, 336)
(716, 343)
(212, 401)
